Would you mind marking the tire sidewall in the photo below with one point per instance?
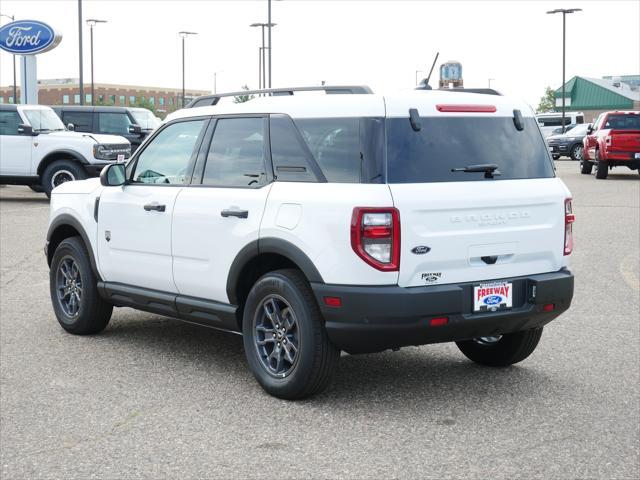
(279, 284)
(72, 167)
(71, 248)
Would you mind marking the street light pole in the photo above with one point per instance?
(564, 12)
(215, 80)
(184, 35)
(262, 75)
(92, 22)
(15, 87)
(269, 27)
(80, 82)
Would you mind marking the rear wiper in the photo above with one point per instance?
(490, 169)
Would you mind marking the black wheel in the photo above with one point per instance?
(555, 157)
(586, 167)
(577, 152)
(501, 350)
(59, 172)
(285, 341)
(603, 168)
(74, 293)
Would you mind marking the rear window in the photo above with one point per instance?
(445, 143)
(623, 122)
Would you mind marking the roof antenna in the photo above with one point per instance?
(424, 85)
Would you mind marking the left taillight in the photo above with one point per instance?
(569, 218)
(375, 237)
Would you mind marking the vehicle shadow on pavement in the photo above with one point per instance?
(43, 200)
(428, 373)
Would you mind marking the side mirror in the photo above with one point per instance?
(24, 129)
(135, 129)
(113, 175)
(590, 129)
(71, 127)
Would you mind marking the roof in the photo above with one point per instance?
(588, 93)
(90, 108)
(371, 105)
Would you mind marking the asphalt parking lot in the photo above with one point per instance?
(155, 398)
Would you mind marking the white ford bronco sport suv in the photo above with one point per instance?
(315, 224)
(37, 151)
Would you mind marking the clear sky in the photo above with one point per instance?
(378, 43)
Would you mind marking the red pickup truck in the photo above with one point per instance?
(612, 141)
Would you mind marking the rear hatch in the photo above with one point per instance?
(465, 226)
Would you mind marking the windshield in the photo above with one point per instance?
(579, 130)
(623, 122)
(145, 119)
(43, 120)
(446, 143)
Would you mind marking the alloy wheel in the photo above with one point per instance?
(69, 286)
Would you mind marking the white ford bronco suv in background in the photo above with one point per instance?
(313, 224)
(37, 151)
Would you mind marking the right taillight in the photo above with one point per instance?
(375, 237)
(569, 218)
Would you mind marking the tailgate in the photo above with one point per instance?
(624, 140)
(470, 231)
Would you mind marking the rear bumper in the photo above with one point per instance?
(376, 318)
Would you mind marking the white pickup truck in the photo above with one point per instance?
(36, 150)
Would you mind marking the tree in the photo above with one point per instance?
(143, 103)
(243, 98)
(547, 102)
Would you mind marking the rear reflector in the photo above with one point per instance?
(333, 301)
(467, 108)
(439, 321)
(549, 307)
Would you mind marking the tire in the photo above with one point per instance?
(577, 152)
(586, 167)
(508, 349)
(87, 313)
(555, 157)
(603, 169)
(303, 368)
(59, 172)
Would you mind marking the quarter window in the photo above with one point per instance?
(236, 155)
(9, 122)
(167, 158)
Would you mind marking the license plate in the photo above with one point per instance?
(491, 297)
(637, 156)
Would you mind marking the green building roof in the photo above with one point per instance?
(597, 94)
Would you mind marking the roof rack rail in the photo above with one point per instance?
(207, 100)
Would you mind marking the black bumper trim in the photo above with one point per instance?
(377, 318)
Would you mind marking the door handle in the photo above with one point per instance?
(154, 206)
(235, 213)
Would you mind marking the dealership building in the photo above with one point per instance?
(596, 95)
(66, 91)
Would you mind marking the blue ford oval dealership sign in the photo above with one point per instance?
(28, 37)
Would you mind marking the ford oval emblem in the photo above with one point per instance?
(420, 250)
(493, 300)
(28, 37)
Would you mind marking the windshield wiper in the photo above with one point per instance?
(490, 169)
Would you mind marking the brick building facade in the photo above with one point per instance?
(67, 92)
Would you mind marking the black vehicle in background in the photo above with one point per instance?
(135, 124)
(569, 144)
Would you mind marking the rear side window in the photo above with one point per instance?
(237, 152)
(291, 158)
(81, 120)
(9, 122)
(445, 143)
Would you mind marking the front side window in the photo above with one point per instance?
(447, 143)
(236, 155)
(43, 120)
(167, 158)
(116, 123)
(9, 122)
